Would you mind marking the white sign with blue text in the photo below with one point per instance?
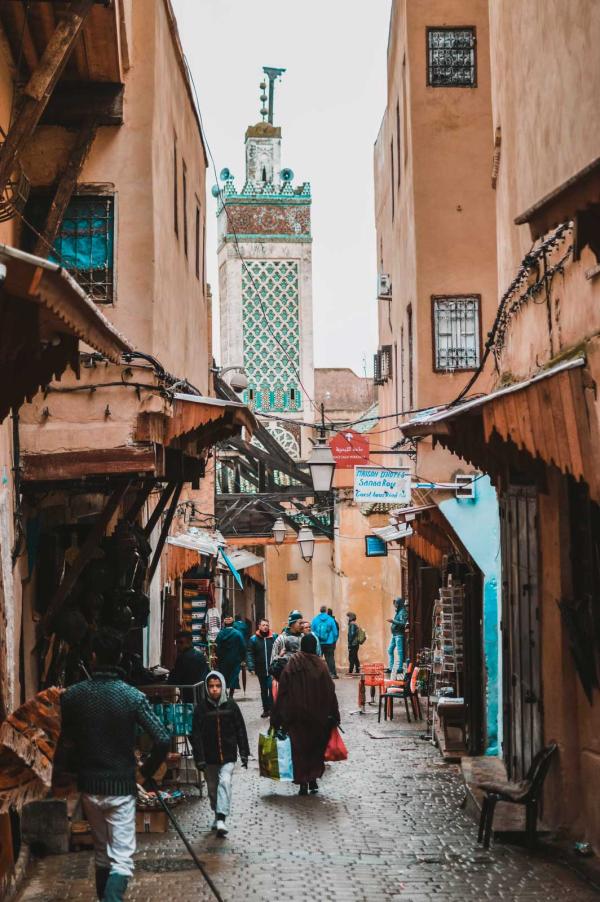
(373, 484)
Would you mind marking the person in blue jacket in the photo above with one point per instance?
(398, 626)
(326, 631)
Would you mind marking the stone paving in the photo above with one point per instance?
(387, 825)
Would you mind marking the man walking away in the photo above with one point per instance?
(240, 624)
(398, 626)
(218, 732)
(100, 719)
(337, 626)
(294, 628)
(190, 666)
(259, 657)
(231, 651)
(354, 637)
(324, 628)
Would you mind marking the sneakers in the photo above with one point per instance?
(214, 825)
(266, 714)
(221, 828)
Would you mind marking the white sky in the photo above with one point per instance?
(329, 104)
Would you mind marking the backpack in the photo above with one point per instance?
(361, 636)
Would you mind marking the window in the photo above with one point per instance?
(456, 329)
(197, 243)
(392, 176)
(451, 57)
(184, 211)
(85, 242)
(398, 154)
(175, 189)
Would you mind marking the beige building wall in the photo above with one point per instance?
(434, 208)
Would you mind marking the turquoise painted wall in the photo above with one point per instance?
(477, 523)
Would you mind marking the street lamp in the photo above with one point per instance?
(239, 381)
(320, 462)
(278, 530)
(306, 541)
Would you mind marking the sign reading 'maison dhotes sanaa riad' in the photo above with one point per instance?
(374, 484)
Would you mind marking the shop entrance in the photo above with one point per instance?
(520, 629)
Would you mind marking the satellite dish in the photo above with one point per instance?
(215, 190)
(286, 175)
(225, 175)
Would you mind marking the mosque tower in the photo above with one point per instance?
(265, 280)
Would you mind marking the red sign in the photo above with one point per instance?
(350, 449)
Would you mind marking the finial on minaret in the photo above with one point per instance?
(263, 99)
(272, 74)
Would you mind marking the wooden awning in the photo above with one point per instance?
(43, 316)
(578, 193)
(551, 417)
(195, 420)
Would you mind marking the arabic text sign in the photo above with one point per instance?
(373, 484)
(349, 449)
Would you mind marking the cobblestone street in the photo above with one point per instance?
(387, 825)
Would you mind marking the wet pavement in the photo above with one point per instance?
(387, 825)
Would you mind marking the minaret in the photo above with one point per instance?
(266, 300)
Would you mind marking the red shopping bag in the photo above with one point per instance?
(336, 749)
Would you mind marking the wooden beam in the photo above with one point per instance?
(65, 187)
(157, 512)
(65, 465)
(21, 37)
(164, 532)
(85, 554)
(41, 84)
(276, 463)
(139, 500)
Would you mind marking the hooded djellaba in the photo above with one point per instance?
(307, 709)
(218, 728)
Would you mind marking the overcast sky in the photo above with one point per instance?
(329, 105)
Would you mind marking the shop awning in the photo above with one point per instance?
(184, 550)
(242, 559)
(392, 533)
(195, 420)
(43, 316)
(201, 543)
(551, 416)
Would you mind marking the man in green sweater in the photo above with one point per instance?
(100, 718)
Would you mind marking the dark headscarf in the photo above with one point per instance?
(308, 644)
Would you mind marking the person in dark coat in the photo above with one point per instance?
(240, 624)
(307, 709)
(190, 666)
(259, 656)
(353, 643)
(231, 651)
(218, 732)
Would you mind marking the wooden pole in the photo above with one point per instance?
(38, 89)
(157, 512)
(164, 532)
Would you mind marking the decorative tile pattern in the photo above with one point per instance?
(270, 307)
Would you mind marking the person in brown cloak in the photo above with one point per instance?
(307, 709)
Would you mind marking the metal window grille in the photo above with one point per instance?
(85, 244)
(377, 373)
(456, 331)
(451, 57)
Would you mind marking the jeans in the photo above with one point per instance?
(219, 782)
(353, 658)
(112, 822)
(329, 655)
(397, 643)
(266, 695)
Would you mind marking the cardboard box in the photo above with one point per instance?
(151, 821)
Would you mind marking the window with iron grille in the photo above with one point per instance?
(456, 332)
(451, 61)
(85, 242)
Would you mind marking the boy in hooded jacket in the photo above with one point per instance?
(218, 732)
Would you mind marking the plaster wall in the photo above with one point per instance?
(311, 589)
(546, 139)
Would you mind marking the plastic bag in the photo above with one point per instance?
(336, 748)
(275, 756)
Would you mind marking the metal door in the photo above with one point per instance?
(520, 630)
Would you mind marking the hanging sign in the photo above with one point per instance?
(349, 449)
(374, 484)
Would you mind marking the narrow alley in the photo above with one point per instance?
(387, 825)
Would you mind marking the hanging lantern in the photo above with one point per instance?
(278, 531)
(306, 541)
(322, 466)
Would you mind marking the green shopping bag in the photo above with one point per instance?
(275, 756)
